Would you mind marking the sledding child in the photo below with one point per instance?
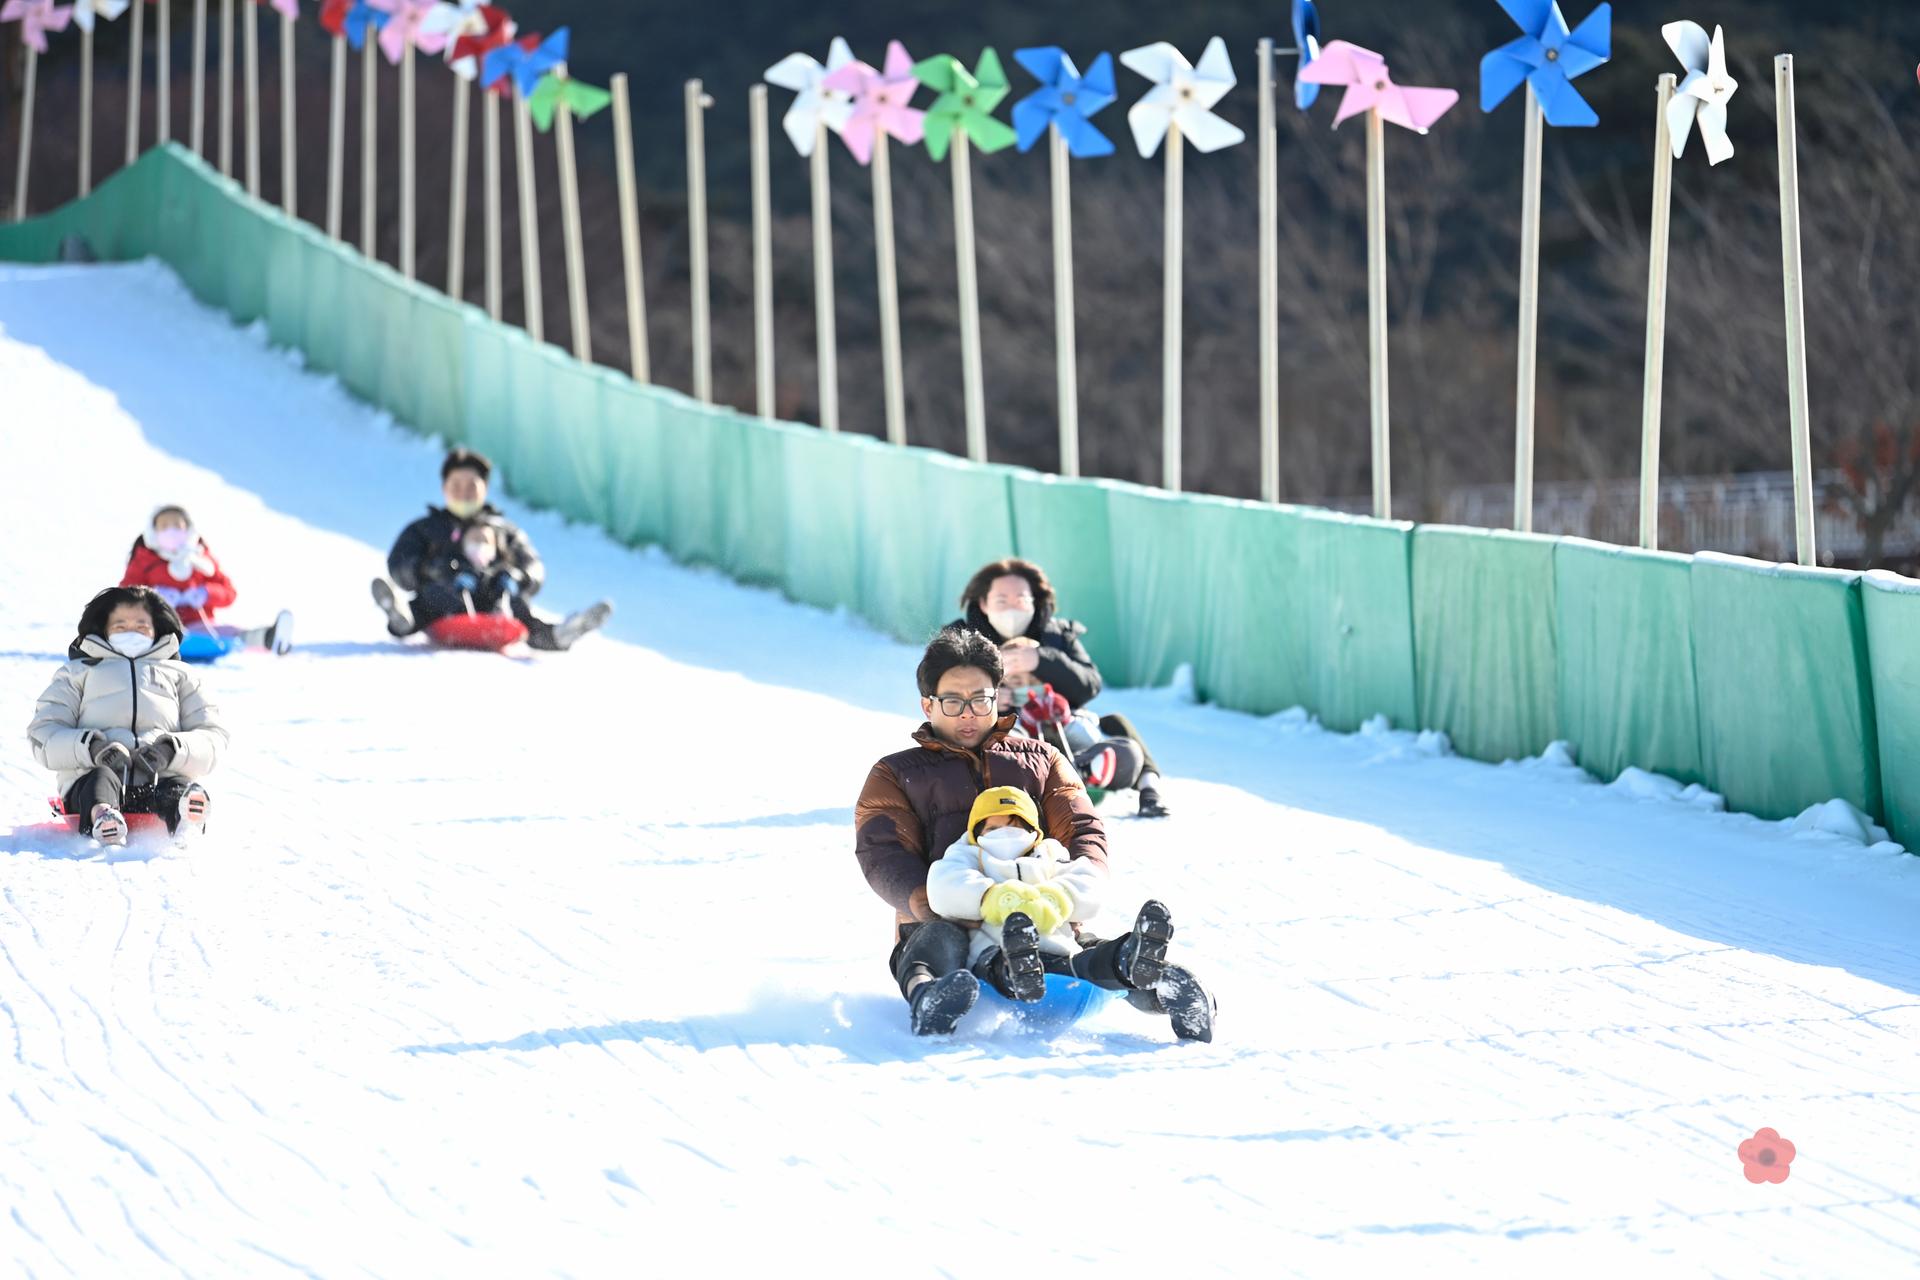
(1105, 763)
(125, 725)
(172, 559)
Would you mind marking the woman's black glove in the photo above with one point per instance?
(151, 760)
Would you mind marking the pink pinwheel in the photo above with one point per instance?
(1363, 73)
(407, 25)
(880, 101)
(36, 18)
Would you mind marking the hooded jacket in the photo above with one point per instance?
(956, 884)
(146, 567)
(916, 802)
(428, 550)
(100, 692)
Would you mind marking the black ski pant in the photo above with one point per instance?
(1118, 726)
(437, 600)
(939, 947)
(100, 785)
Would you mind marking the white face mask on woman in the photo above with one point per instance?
(1007, 843)
(1010, 622)
(130, 643)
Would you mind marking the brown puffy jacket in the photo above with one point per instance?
(916, 802)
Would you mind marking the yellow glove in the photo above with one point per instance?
(1052, 907)
(1003, 900)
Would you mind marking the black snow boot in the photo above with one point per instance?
(1187, 1004)
(939, 1005)
(1142, 958)
(1023, 976)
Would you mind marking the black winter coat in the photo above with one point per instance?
(428, 550)
(1064, 661)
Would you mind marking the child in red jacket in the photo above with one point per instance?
(171, 558)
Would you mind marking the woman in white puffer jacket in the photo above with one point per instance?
(124, 724)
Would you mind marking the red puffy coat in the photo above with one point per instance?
(148, 568)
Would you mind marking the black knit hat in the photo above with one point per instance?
(468, 460)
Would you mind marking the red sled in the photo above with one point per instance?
(137, 823)
(488, 631)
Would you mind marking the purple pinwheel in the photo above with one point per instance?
(1065, 99)
(408, 24)
(525, 61)
(880, 101)
(1549, 57)
(36, 18)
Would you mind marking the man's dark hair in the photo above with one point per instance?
(466, 459)
(93, 621)
(957, 647)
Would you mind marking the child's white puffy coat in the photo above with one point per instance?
(957, 882)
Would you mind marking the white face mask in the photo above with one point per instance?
(1010, 622)
(130, 643)
(170, 541)
(479, 554)
(465, 508)
(1008, 842)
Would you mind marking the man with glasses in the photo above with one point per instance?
(915, 805)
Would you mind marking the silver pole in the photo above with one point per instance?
(490, 201)
(197, 113)
(407, 140)
(532, 302)
(826, 342)
(86, 111)
(1656, 318)
(1066, 359)
(1796, 310)
(289, 99)
(697, 102)
(1529, 318)
(1170, 380)
(762, 252)
(250, 30)
(974, 393)
(578, 319)
(26, 138)
(369, 144)
(1377, 350)
(1270, 285)
(136, 65)
(226, 88)
(457, 191)
(892, 377)
(163, 74)
(637, 360)
(336, 136)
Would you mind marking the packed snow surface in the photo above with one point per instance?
(562, 965)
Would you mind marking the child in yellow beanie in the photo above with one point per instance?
(1021, 892)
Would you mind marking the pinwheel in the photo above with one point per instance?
(1061, 109)
(881, 111)
(409, 26)
(362, 19)
(1306, 47)
(1368, 87)
(960, 119)
(472, 30)
(36, 18)
(525, 60)
(556, 90)
(1703, 95)
(1547, 58)
(816, 110)
(85, 12)
(1179, 107)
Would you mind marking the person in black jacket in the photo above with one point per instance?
(1011, 598)
(468, 557)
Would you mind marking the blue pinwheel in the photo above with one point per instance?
(527, 66)
(1064, 99)
(1549, 57)
(361, 19)
(1306, 43)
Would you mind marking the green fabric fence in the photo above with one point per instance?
(1777, 686)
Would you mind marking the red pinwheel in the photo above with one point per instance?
(468, 50)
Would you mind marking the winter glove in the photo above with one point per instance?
(467, 582)
(1054, 907)
(108, 754)
(193, 597)
(170, 594)
(1001, 901)
(152, 759)
(506, 582)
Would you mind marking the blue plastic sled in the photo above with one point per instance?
(1067, 1001)
(198, 646)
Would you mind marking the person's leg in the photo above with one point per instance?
(1116, 725)
(1135, 959)
(556, 637)
(1112, 764)
(539, 630)
(166, 798)
(930, 964)
(95, 787)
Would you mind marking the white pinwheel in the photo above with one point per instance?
(84, 11)
(1703, 94)
(1182, 94)
(813, 104)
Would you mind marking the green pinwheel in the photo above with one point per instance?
(556, 87)
(966, 102)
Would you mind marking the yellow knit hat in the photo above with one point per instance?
(1008, 800)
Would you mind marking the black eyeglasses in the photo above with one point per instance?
(980, 704)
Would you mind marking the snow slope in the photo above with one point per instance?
(564, 967)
